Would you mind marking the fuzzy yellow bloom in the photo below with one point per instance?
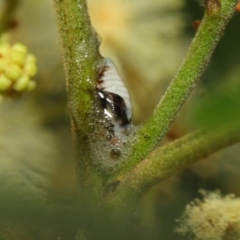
(17, 67)
(216, 217)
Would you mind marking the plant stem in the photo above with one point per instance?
(169, 159)
(80, 53)
(208, 35)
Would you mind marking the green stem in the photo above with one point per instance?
(6, 14)
(80, 53)
(169, 159)
(208, 35)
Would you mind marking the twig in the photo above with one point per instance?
(169, 159)
(208, 35)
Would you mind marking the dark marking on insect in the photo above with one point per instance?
(114, 107)
(114, 97)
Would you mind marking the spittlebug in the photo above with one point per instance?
(114, 97)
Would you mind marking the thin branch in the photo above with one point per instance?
(208, 35)
(169, 159)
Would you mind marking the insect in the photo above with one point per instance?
(114, 97)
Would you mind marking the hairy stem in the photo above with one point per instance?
(208, 35)
(169, 159)
(80, 53)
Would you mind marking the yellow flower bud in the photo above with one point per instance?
(17, 57)
(13, 71)
(21, 84)
(4, 49)
(19, 47)
(5, 83)
(30, 58)
(31, 85)
(17, 66)
(3, 64)
(30, 69)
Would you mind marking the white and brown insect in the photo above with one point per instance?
(114, 97)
